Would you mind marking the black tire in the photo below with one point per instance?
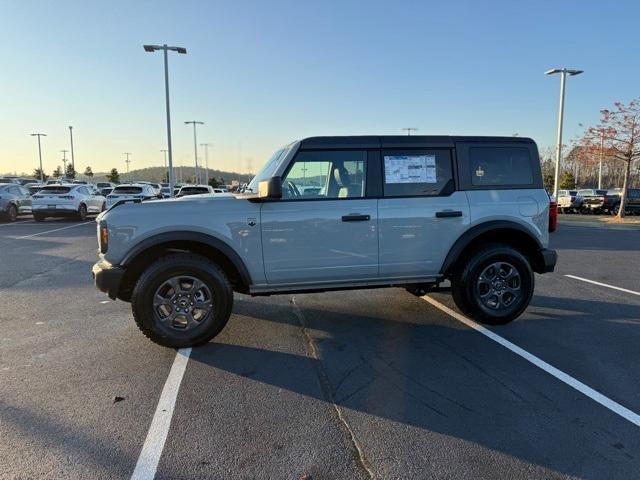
(38, 217)
(82, 212)
(615, 210)
(466, 284)
(156, 275)
(12, 213)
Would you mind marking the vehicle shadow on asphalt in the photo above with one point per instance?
(406, 362)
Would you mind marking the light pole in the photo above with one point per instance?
(195, 144)
(206, 160)
(64, 161)
(409, 130)
(165, 163)
(40, 154)
(127, 161)
(165, 49)
(73, 161)
(563, 77)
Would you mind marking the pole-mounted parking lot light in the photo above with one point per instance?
(563, 76)
(165, 48)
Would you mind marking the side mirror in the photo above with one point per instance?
(271, 188)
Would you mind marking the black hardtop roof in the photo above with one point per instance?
(401, 141)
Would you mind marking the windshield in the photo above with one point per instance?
(55, 190)
(127, 190)
(193, 190)
(268, 169)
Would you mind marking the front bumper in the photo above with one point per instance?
(549, 258)
(107, 278)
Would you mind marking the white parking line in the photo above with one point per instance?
(54, 230)
(603, 285)
(154, 443)
(16, 223)
(560, 375)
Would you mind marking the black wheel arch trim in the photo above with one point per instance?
(474, 232)
(190, 236)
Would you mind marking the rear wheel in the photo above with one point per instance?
(82, 212)
(182, 300)
(12, 213)
(494, 286)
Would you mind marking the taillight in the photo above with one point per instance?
(553, 215)
(104, 237)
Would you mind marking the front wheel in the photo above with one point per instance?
(182, 300)
(494, 285)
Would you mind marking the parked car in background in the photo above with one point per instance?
(9, 180)
(14, 200)
(137, 191)
(569, 201)
(633, 201)
(195, 190)
(67, 200)
(33, 187)
(105, 191)
(105, 184)
(596, 200)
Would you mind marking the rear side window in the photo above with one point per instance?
(500, 166)
(417, 173)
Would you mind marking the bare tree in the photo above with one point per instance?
(621, 141)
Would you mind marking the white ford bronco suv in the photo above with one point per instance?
(333, 213)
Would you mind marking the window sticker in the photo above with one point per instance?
(410, 169)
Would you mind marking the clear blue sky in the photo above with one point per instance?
(261, 74)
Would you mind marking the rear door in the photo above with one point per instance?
(420, 213)
(323, 234)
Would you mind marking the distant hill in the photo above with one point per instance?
(157, 174)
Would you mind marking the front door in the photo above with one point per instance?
(324, 229)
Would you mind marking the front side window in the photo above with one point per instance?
(500, 166)
(417, 173)
(326, 174)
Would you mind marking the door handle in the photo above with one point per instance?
(448, 214)
(356, 218)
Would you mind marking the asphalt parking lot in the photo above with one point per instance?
(357, 384)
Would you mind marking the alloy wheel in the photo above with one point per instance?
(499, 286)
(182, 302)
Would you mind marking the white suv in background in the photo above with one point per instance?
(67, 200)
(136, 191)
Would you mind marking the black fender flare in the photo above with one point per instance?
(191, 236)
(474, 232)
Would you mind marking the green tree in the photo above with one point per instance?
(71, 172)
(57, 173)
(567, 181)
(114, 176)
(88, 172)
(216, 182)
(548, 180)
(36, 175)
